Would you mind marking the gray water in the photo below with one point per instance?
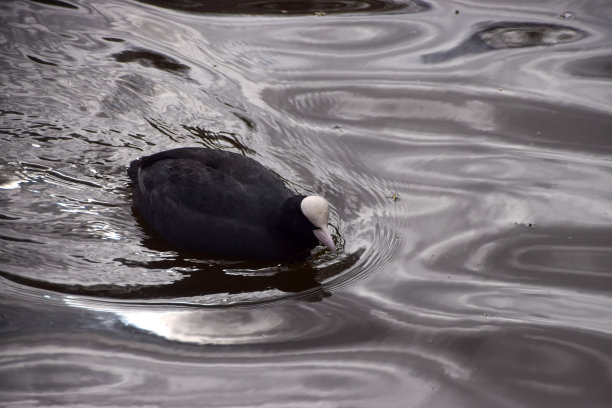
(466, 149)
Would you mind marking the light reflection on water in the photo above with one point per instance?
(465, 149)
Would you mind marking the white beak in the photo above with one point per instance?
(325, 237)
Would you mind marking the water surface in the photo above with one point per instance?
(465, 149)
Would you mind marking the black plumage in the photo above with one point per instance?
(220, 204)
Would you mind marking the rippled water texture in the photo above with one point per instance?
(466, 149)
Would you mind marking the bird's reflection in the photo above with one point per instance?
(201, 277)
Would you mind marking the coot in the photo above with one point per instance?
(223, 204)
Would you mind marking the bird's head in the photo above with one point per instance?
(316, 210)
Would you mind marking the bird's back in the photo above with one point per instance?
(208, 200)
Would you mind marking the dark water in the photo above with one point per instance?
(466, 149)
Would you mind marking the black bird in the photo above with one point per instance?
(226, 205)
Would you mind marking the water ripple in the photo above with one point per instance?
(464, 148)
(504, 35)
(593, 67)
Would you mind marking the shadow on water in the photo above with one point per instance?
(292, 7)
